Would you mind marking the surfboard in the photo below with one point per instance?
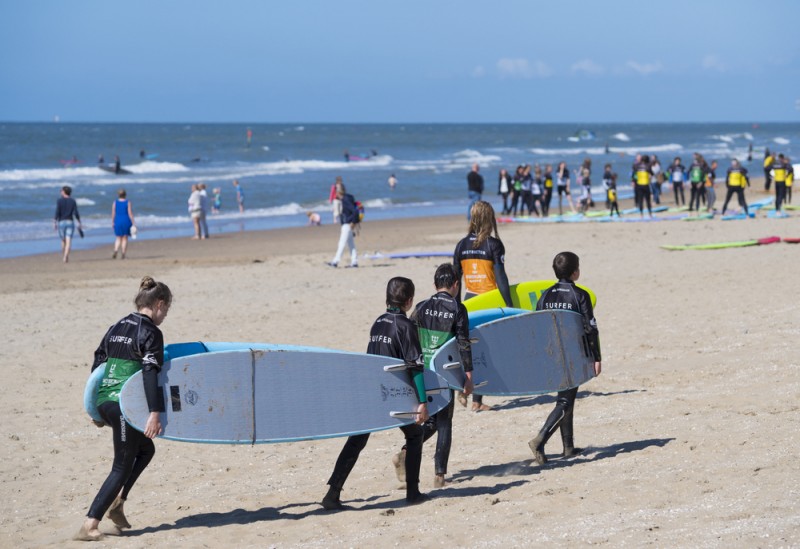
(90, 392)
(110, 169)
(737, 216)
(476, 318)
(526, 354)
(722, 245)
(523, 296)
(406, 255)
(791, 240)
(777, 215)
(701, 217)
(267, 396)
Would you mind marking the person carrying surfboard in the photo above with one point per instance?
(394, 335)
(565, 295)
(133, 344)
(440, 318)
(480, 258)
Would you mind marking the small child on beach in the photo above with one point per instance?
(314, 219)
(565, 295)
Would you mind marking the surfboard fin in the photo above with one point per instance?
(404, 415)
(395, 367)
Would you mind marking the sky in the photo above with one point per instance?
(434, 61)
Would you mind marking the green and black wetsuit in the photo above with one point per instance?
(134, 343)
(440, 318)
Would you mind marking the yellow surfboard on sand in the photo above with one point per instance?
(523, 296)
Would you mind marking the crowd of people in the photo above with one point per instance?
(530, 190)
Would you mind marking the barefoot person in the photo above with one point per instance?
(565, 295)
(480, 258)
(393, 335)
(64, 220)
(122, 221)
(133, 344)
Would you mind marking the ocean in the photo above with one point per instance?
(287, 169)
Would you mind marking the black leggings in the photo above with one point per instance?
(739, 192)
(132, 453)
(780, 195)
(641, 195)
(694, 197)
(352, 449)
(548, 196)
(677, 187)
(441, 423)
(514, 203)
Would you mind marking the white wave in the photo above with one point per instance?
(781, 141)
(621, 137)
(82, 173)
(85, 202)
(573, 139)
(150, 166)
(569, 151)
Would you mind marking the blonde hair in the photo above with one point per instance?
(482, 222)
(151, 292)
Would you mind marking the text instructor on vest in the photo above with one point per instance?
(474, 188)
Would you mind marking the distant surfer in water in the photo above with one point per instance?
(393, 335)
(117, 166)
(565, 295)
(133, 344)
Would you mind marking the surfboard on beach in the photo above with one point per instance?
(525, 354)
(723, 245)
(524, 295)
(249, 396)
(406, 255)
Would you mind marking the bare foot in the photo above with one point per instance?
(88, 534)
(117, 515)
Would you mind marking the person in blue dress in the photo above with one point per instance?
(122, 221)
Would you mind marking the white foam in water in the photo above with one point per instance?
(621, 137)
(85, 202)
(781, 141)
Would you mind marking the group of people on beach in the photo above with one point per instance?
(135, 343)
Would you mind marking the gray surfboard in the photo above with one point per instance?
(526, 354)
(259, 396)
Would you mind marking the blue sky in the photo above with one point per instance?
(411, 61)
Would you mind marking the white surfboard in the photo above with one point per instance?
(525, 354)
(260, 396)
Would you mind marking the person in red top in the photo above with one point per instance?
(480, 259)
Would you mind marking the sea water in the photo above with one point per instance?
(286, 170)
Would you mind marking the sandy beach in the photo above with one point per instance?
(690, 431)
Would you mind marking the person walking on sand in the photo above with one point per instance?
(122, 221)
(480, 259)
(349, 220)
(64, 220)
(565, 295)
(392, 335)
(440, 318)
(474, 187)
(134, 344)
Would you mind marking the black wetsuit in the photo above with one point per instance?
(438, 319)
(134, 343)
(780, 168)
(641, 186)
(735, 181)
(677, 183)
(392, 335)
(565, 295)
(483, 270)
(548, 193)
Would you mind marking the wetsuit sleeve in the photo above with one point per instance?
(593, 334)
(457, 267)
(412, 355)
(462, 338)
(500, 273)
(151, 347)
(101, 353)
